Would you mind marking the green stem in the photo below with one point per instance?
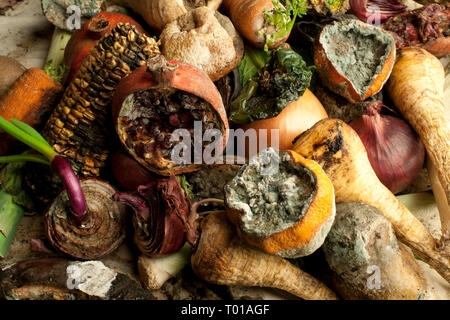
(24, 158)
(54, 65)
(30, 141)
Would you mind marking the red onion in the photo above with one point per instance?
(393, 147)
(376, 11)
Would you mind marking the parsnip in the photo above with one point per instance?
(416, 86)
(221, 257)
(340, 152)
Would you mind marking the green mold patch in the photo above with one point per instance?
(357, 50)
(271, 200)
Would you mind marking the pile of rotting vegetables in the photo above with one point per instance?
(357, 206)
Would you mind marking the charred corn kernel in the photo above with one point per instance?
(77, 128)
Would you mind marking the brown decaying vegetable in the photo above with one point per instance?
(362, 246)
(248, 18)
(222, 258)
(101, 234)
(340, 152)
(416, 87)
(204, 39)
(158, 13)
(30, 99)
(11, 71)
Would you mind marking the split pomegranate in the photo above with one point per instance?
(157, 99)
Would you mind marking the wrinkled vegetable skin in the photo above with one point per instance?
(416, 88)
(340, 152)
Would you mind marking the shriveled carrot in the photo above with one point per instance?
(339, 150)
(30, 99)
(416, 86)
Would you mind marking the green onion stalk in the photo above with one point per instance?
(47, 155)
(54, 65)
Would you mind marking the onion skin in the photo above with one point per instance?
(296, 118)
(128, 172)
(395, 151)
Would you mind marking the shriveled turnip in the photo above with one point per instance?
(340, 152)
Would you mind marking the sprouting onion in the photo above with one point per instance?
(29, 136)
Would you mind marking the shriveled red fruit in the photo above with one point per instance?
(83, 40)
(157, 99)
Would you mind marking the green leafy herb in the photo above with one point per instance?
(253, 61)
(281, 81)
(282, 18)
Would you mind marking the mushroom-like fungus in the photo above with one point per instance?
(281, 203)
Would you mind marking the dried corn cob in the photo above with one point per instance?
(78, 127)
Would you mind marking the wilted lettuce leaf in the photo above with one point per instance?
(253, 61)
(282, 80)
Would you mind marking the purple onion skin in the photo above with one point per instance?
(128, 172)
(77, 200)
(387, 9)
(394, 149)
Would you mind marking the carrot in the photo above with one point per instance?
(416, 86)
(249, 19)
(30, 99)
(341, 153)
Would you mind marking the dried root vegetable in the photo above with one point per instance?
(160, 98)
(339, 151)
(287, 209)
(416, 87)
(158, 13)
(363, 251)
(220, 257)
(30, 99)
(354, 59)
(204, 39)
